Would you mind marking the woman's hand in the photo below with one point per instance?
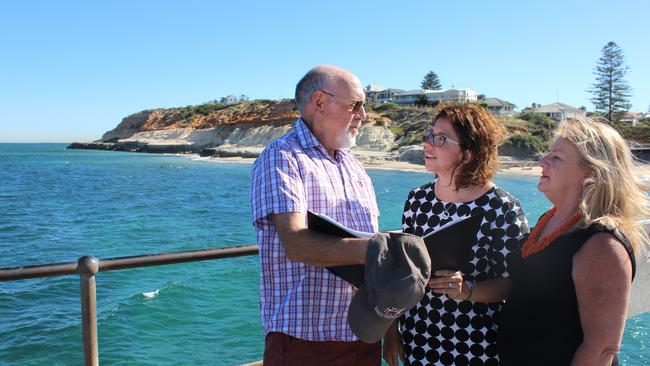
(392, 346)
(449, 283)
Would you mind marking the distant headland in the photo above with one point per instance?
(392, 132)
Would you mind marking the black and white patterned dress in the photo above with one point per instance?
(444, 331)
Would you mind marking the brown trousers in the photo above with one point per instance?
(284, 350)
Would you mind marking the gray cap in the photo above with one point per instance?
(397, 270)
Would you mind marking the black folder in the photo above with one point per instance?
(449, 247)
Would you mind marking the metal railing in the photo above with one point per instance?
(88, 266)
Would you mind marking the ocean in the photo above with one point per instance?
(57, 205)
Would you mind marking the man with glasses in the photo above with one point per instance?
(304, 306)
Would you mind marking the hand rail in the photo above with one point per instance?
(88, 266)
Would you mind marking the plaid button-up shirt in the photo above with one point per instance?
(296, 174)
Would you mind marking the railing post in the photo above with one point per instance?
(87, 267)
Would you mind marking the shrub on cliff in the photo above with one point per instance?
(397, 131)
(266, 101)
(207, 108)
(541, 126)
(533, 144)
(639, 134)
(537, 119)
(385, 106)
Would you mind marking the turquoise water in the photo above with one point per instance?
(57, 205)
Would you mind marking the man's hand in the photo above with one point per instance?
(392, 346)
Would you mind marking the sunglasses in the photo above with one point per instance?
(356, 107)
(436, 139)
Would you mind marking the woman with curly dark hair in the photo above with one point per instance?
(455, 323)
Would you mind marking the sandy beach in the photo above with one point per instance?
(509, 166)
(520, 167)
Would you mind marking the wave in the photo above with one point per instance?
(151, 294)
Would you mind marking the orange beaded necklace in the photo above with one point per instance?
(534, 245)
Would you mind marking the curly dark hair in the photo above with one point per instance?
(480, 133)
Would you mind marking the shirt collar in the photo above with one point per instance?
(308, 140)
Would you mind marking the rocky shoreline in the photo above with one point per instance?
(407, 154)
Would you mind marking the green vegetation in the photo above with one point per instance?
(530, 143)
(516, 124)
(540, 126)
(644, 122)
(529, 132)
(207, 108)
(397, 131)
(431, 81)
(639, 133)
(384, 107)
(421, 101)
(611, 93)
(188, 113)
(412, 137)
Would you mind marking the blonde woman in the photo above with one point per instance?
(570, 294)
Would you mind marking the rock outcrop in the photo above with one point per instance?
(411, 154)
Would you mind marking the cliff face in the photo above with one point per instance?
(131, 125)
(203, 117)
(242, 129)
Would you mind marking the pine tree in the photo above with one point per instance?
(611, 94)
(431, 81)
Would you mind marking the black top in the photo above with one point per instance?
(540, 323)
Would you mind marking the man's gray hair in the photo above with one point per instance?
(315, 79)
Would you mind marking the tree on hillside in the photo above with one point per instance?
(431, 81)
(611, 94)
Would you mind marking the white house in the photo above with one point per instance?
(231, 99)
(499, 107)
(559, 112)
(631, 118)
(443, 95)
(376, 94)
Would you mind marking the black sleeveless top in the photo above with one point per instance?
(540, 322)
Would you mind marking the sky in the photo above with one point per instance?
(71, 70)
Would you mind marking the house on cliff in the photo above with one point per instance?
(230, 99)
(499, 107)
(443, 95)
(559, 112)
(377, 94)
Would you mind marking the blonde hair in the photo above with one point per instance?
(613, 194)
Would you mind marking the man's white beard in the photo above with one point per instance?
(347, 140)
